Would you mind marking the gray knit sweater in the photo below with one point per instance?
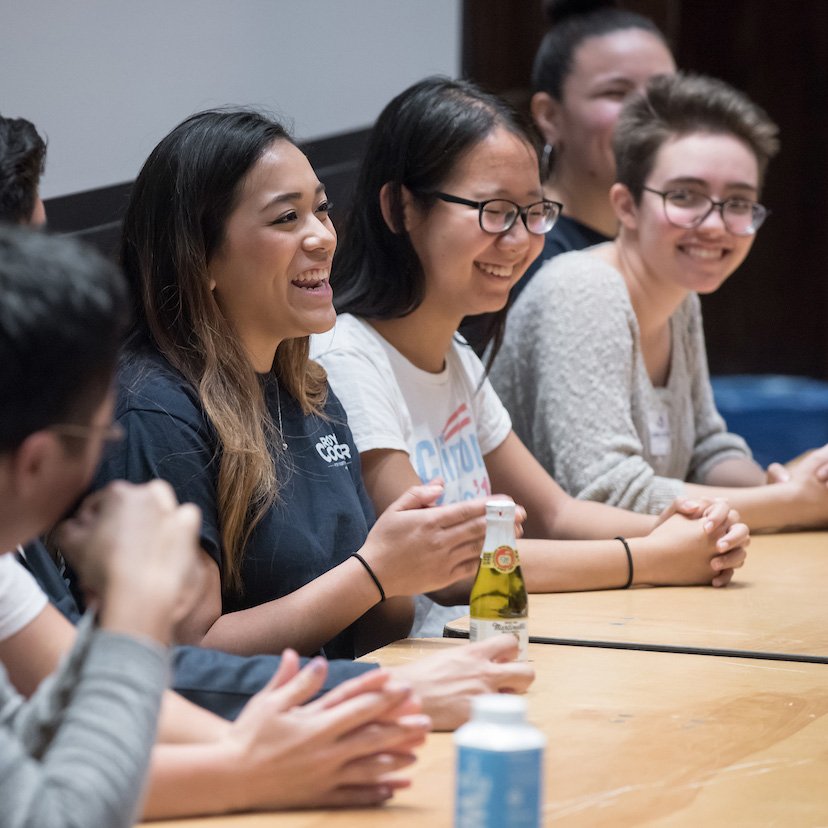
(76, 754)
(572, 375)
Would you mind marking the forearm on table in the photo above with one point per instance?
(304, 620)
(586, 520)
(760, 507)
(736, 471)
(193, 780)
(572, 566)
(181, 721)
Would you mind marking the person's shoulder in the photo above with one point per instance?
(147, 382)
(577, 273)
(350, 333)
(568, 234)
(575, 294)
(332, 409)
(352, 345)
(461, 357)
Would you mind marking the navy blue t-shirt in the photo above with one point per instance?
(322, 514)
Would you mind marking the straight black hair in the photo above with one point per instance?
(416, 143)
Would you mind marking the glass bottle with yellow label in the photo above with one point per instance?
(498, 597)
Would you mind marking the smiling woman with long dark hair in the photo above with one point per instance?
(227, 245)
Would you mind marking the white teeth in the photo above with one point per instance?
(496, 270)
(312, 276)
(703, 253)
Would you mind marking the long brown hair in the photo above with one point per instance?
(174, 225)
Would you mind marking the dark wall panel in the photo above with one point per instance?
(96, 215)
(772, 315)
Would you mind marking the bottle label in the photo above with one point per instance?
(498, 789)
(482, 628)
(503, 559)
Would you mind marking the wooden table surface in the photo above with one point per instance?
(776, 607)
(636, 739)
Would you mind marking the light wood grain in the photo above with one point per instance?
(638, 739)
(777, 605)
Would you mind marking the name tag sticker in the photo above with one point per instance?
(659, 422)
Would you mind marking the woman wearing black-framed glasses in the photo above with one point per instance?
(611, 390)
(448, 213)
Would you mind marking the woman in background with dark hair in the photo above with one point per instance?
(448, 213)
(227, 245)
(589, 61)
(591, 58)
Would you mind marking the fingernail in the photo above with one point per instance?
(317, 664)
(691, 504)
(709, 525)
(722, 544)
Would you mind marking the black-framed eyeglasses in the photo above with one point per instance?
(497, 215)
(687, 208)
(112, 433)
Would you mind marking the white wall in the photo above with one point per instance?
(104, 80)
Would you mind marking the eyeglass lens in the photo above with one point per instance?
(740, 216)
(499, 216)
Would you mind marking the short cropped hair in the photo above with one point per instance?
(22, 158)
(683, 104)
(63, 314)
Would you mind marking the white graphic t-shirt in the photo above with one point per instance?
(21, 599)
(446, 423)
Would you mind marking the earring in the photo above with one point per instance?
(546, 159)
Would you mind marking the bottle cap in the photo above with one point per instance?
(499, 708)
(500, 510)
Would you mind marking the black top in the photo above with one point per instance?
(321, 517)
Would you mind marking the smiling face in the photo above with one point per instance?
(467, 270)
(698, 258)
(270, 275)
(605, 70)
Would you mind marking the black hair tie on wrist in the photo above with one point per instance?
(629, 562)
(374, 577)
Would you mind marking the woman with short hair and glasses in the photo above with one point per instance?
(448, 213)
(603, 367)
